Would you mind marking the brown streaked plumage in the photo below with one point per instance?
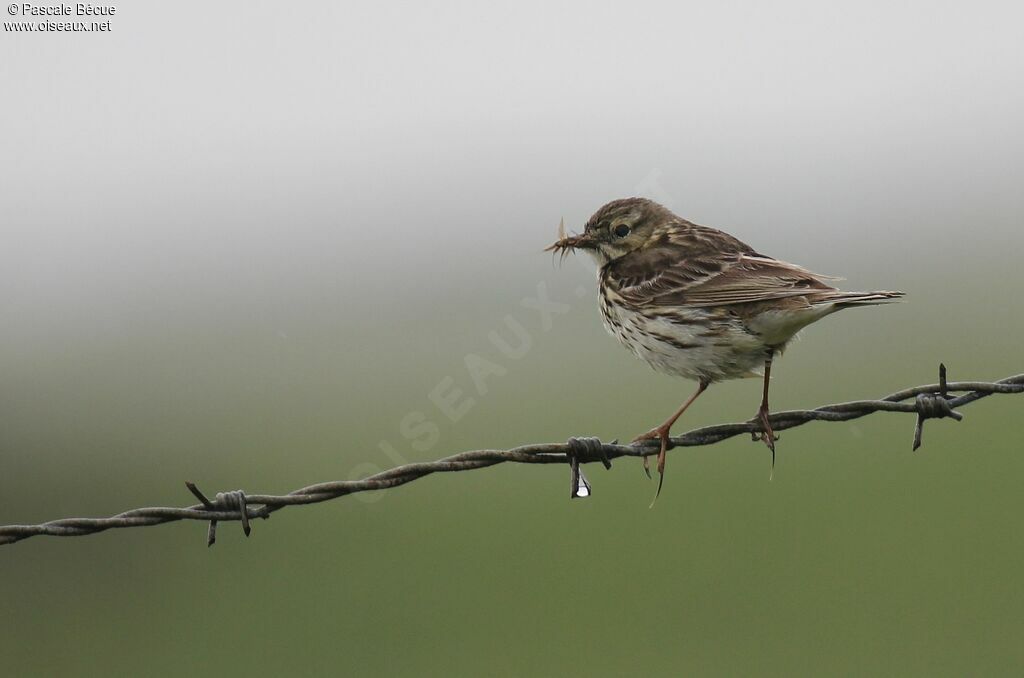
(696, 302)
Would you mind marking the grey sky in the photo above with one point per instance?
(262, 150)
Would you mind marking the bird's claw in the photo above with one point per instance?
(660, 434)
(766, 435)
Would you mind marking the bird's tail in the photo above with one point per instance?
(850, 299)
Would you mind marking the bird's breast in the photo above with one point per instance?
(694, 343)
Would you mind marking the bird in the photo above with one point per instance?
(695, 302)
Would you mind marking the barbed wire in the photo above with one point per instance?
(931, 401)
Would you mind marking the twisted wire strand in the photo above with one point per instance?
(238, 506)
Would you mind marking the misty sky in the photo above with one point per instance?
(265, 152)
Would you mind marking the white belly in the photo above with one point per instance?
(693, 343)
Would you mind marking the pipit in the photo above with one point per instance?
(695, 302)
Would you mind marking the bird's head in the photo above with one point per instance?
(616, 229)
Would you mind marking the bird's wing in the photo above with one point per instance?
(673, 278)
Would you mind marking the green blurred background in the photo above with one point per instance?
(242, 244)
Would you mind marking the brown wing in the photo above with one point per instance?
(682, 254)
(674, 276)
(756, 278)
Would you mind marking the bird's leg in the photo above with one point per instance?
(662, 433)
(767, 435)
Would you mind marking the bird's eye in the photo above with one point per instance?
(621, 231)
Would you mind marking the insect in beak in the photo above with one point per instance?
(567, 243)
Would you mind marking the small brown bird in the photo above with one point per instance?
(697, 303)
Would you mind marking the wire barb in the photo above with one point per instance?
(938, 402)
(591, 447)
(933, 406)
(232, 501)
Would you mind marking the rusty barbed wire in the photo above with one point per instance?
(931, 401)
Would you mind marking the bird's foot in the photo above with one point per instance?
(659, 433)
(767, 435)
